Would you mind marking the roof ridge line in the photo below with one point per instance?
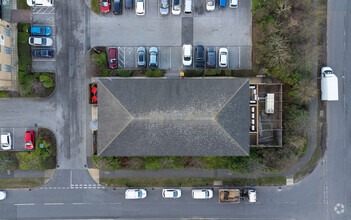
(235, 142)
(226, 103)
(132, 118)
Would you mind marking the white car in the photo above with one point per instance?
(223, 57)
(187, 54)
(41, 41)
(171, 193)
(2, 194)
(135, 194)
(49, 3)
(233, 3)
(210, 5)
(140, 7)
(6, 141)
(176, 7)
(202, 193)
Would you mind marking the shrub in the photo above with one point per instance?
(4, 94)
(7, 162)
(99, 59)
(106, 163)
(193, 73)
(212, 72)
(46, 79)
(124, 73)
(152, 163)
(35, 160)
(105, 72)
(154, 73)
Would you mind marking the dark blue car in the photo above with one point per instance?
(40, 31)
(43, 53)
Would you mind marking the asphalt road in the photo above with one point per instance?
(71, 193)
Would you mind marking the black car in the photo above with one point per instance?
(200, 56)
(117, 7)
(129, 4)
(211, 57)
(43, 53)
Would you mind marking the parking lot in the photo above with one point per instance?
(17, 135)
(44, 16)
(230, 28)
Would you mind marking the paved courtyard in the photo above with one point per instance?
(227, 27)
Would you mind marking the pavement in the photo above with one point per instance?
(72, 193)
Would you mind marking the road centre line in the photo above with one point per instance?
(53, 203)
(24, 204)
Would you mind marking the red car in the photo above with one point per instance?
(105, 6)
(29, 139)
(112, 58)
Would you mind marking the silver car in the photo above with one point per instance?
(164, 7)
(153, 56)
(141, 57)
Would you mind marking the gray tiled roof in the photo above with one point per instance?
(178, 117)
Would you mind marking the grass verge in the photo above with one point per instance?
(95, 6)
(21, 183)
(190, 182)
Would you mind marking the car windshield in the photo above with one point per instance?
(164, 5)
(139, 0)
(104, 3)
(112, 60)
(186, 58)
(175, 194)
(29, 143)
(210, 3)
(141, 57)
(139, 194)
(176, 7)
(43, 41)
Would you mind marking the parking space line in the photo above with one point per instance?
(239, 57)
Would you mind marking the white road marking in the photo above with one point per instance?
(53, 203)
(25, 204)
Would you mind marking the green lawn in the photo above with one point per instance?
(189, 182)
(95, 6)
(4, 94)
(21, 183)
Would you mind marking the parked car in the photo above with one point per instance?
(6, 141)
(188, 6)
(40, 31)
(43, 53)
(112, 58)
(223, 57)
(135, 194)
(211, 57)
(176, 7)
(233, 3)
(47, 3)
(200, 56)
(171, 193)
(141, 57)
(153, 56)
(164, 7)
(117, 7)
(2, 194)
(105, 6)
(202, 193)
(129, 4)
(29, 139)
(210, 5)
(222, 3)
(41, 41)
(140, 7)
(187, 54)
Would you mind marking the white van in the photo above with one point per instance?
(48, 3)
(202, 193)
(233, 3)
(187, 8)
